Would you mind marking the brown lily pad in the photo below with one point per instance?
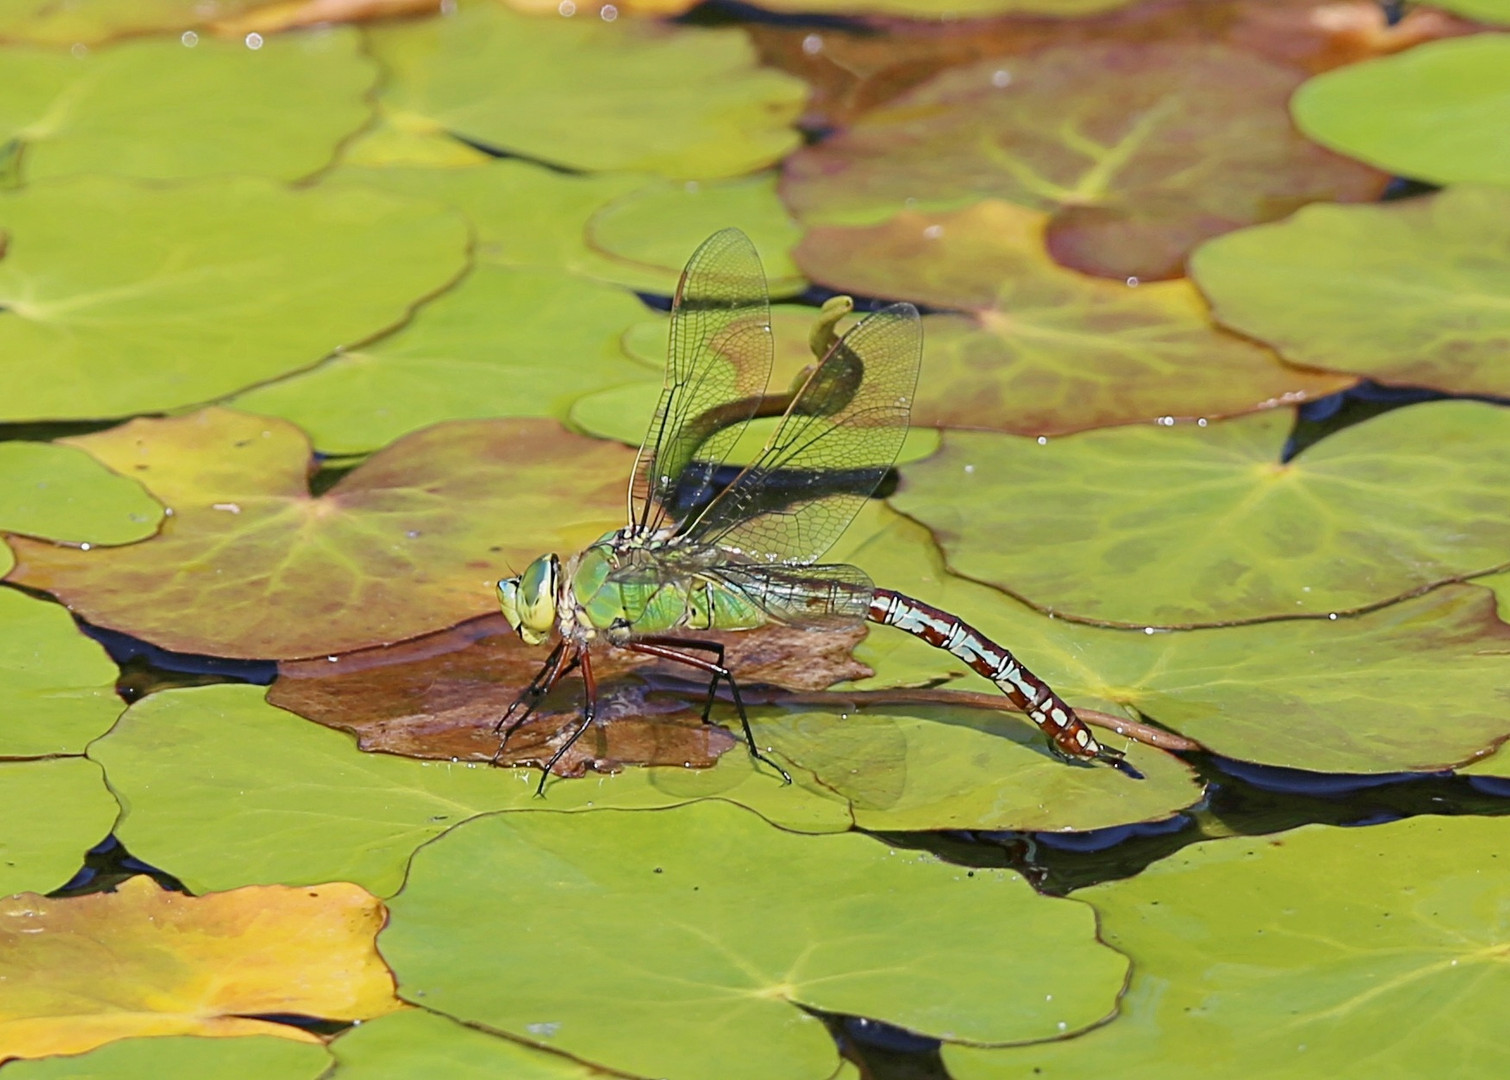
(250, 564)
(441, 696)
(1043, 350)
(1138, 152)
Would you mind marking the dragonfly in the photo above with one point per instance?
(698, 554)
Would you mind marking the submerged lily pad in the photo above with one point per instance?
(693, 985)
(228, 790)
(144, 961)
(1410, 292)
(590, 95)
(116, 293)
(252, 565)
(61, 493)
(1045, 350)
(51, 813)
(1415, 686)
(1139, 151)
(1437, 112)
(57, 684)
(1198, 525)
(1248, 961)
(249, 1057)
(504, 342)
(416, 1043)
(172, 109)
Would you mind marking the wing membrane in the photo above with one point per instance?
(717, 364)
(848, 420)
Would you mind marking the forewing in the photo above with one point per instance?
(717, 364)
(838, 439)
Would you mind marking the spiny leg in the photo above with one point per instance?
(1069, 738)
(713, 647)
(589, 712)
(653, 647)
(563, 658)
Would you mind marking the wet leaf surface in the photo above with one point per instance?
(51, 812)
(166, 109)
(1434, 113)
(1246, 959)
(143, 961)
(115, 292)
(471, 353)
(1201, 525)
(1410, 293)
(586, 95)
(58, 686)
(700, 986)
(1137, 152)
(1041, 349)
(252, 565)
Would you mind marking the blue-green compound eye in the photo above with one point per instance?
(533, 599)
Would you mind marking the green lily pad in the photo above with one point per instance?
(1247, 961)
(58, 685)
(1045, 350)
(165, 109)
(720, 927)
(474, 352)
(62, 493)
(1138, 151)
(90, 21)
(1361, 694)
(252, 1057)
(945, 9)
(1409, 292)
(51, 813)
(115, 293)
(308, 806)
(1490, 11)
(252, 565)
(1437, 112)
(589, 95)
(1196, 525)
(415, 1043)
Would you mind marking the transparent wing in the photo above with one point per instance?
(840, 435)
(818, 597)
(717, 365)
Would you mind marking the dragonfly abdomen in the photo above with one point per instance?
(1067, 733)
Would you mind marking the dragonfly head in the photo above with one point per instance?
(529, 600)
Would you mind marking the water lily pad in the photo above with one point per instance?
(51, 813)
(1491, 11)
(228, 790)
(1248, 961)
(1138, 151)
(1411, 292)
(251, 1057)
(1199, 525)
(115, 293)
(1414, 686)
(1042, 349)
(89, 21)
(58, 685)
(252, 565)
(143, 961)
(696, 983)
(62, 493)
(171, 109)
(590, 95)
(416, 1043)
(1437, 112)
(945, 9)
(479, 350)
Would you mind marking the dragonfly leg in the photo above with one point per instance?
(559, 663)
(714, 647)
(589, 712)
(655, 647)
